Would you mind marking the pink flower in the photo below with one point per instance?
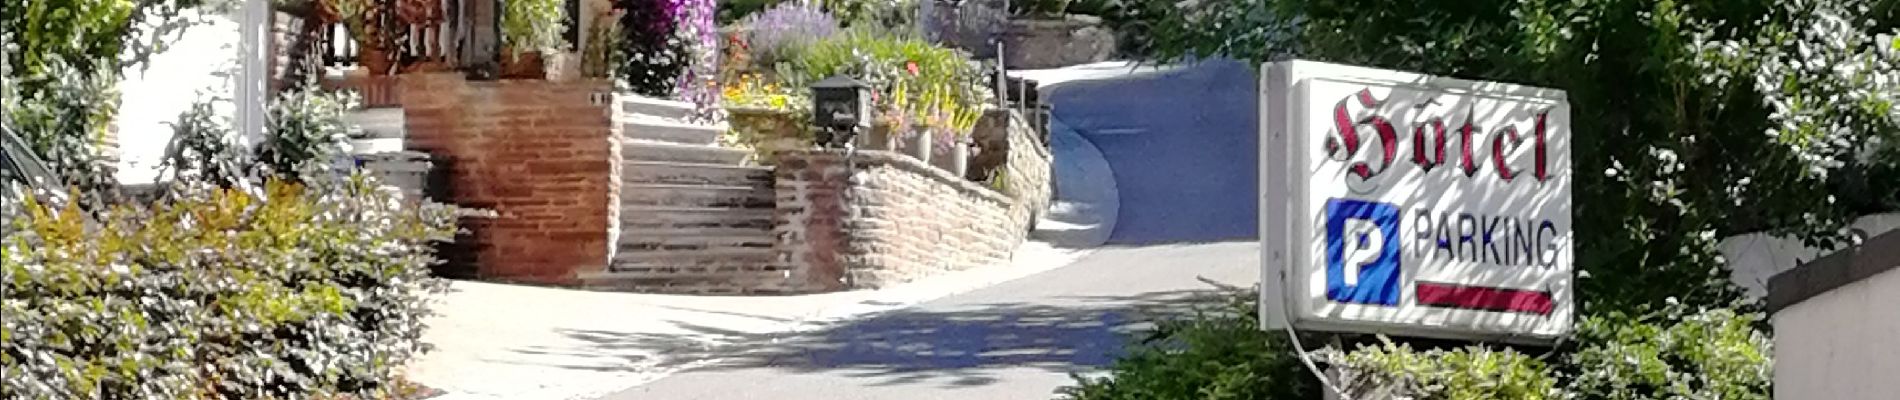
(911, 66)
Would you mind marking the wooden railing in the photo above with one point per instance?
(422, 33)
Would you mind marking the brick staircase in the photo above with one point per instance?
(694, 217)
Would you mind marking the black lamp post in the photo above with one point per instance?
(841, 107)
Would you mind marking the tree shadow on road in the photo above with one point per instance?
(947, 346)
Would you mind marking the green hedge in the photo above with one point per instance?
(297, 292)
(1677, 353)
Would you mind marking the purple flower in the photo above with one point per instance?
(777, 29)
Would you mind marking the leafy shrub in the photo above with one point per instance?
(1679, 353)
(201, 150)
(299, 291)
(533, 25)
(307, 131)
(1039, 8)
(898, 15)
(601, 53)
(918, 83)
(1759, 115)
(1219, 354)
(1674, 354)
(1471, 372)
(65, 122)
(774, 32)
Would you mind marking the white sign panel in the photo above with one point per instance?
(1414, 205)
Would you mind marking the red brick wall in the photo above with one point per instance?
(537, 153)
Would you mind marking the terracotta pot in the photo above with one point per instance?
(522, 65)
(375, 60)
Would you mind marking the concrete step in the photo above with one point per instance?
(707, 258)
(735, 279)
(378, 123)
(696, 232)
(636, 105)
(644, 150)
(654, 218)
(694, 174)
(671, 132)
(755, 239)
(691, 195)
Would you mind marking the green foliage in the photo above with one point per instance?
(297, 292)
(899, 15)
(1675, 354)
(1680, 353)
(1471, 372)
(63, 59)
(600, 55)
(306, 131)
(732, 11)
(1039, 8)
(1693, 120)
(533, 25)
(201, 150)
(66, 123)
(95, 37)
(1220, 353)
(944, 90)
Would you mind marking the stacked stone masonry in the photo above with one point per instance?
(538, 154)
(887, 218)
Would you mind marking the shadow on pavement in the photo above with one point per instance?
(949, 346)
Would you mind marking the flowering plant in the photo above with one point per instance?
(778, 30)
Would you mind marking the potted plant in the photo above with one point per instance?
(368, 23)
(765, 116)
(529, 30)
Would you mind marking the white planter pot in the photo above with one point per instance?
(920, 146)
(960, 158)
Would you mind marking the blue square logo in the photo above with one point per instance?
(1362, 252)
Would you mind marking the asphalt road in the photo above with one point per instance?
(1016, 340)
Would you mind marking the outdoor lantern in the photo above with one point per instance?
(841, 106)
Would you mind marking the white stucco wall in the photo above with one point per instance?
(153, 98)
(1755, 257)
(1843, 344)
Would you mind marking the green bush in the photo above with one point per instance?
(1220, 353)
(1674, 354)
(918, 83)
(297, 292)
(1471, 372)
(1678, 353)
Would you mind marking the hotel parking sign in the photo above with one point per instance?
(1414, 205)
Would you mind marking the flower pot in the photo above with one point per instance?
(877, 138)
(918, 145)
(960, 158)
(767, 131)
(375, 59)
(954, 158)
(522, 65)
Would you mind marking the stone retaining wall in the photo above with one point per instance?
(888, 218)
